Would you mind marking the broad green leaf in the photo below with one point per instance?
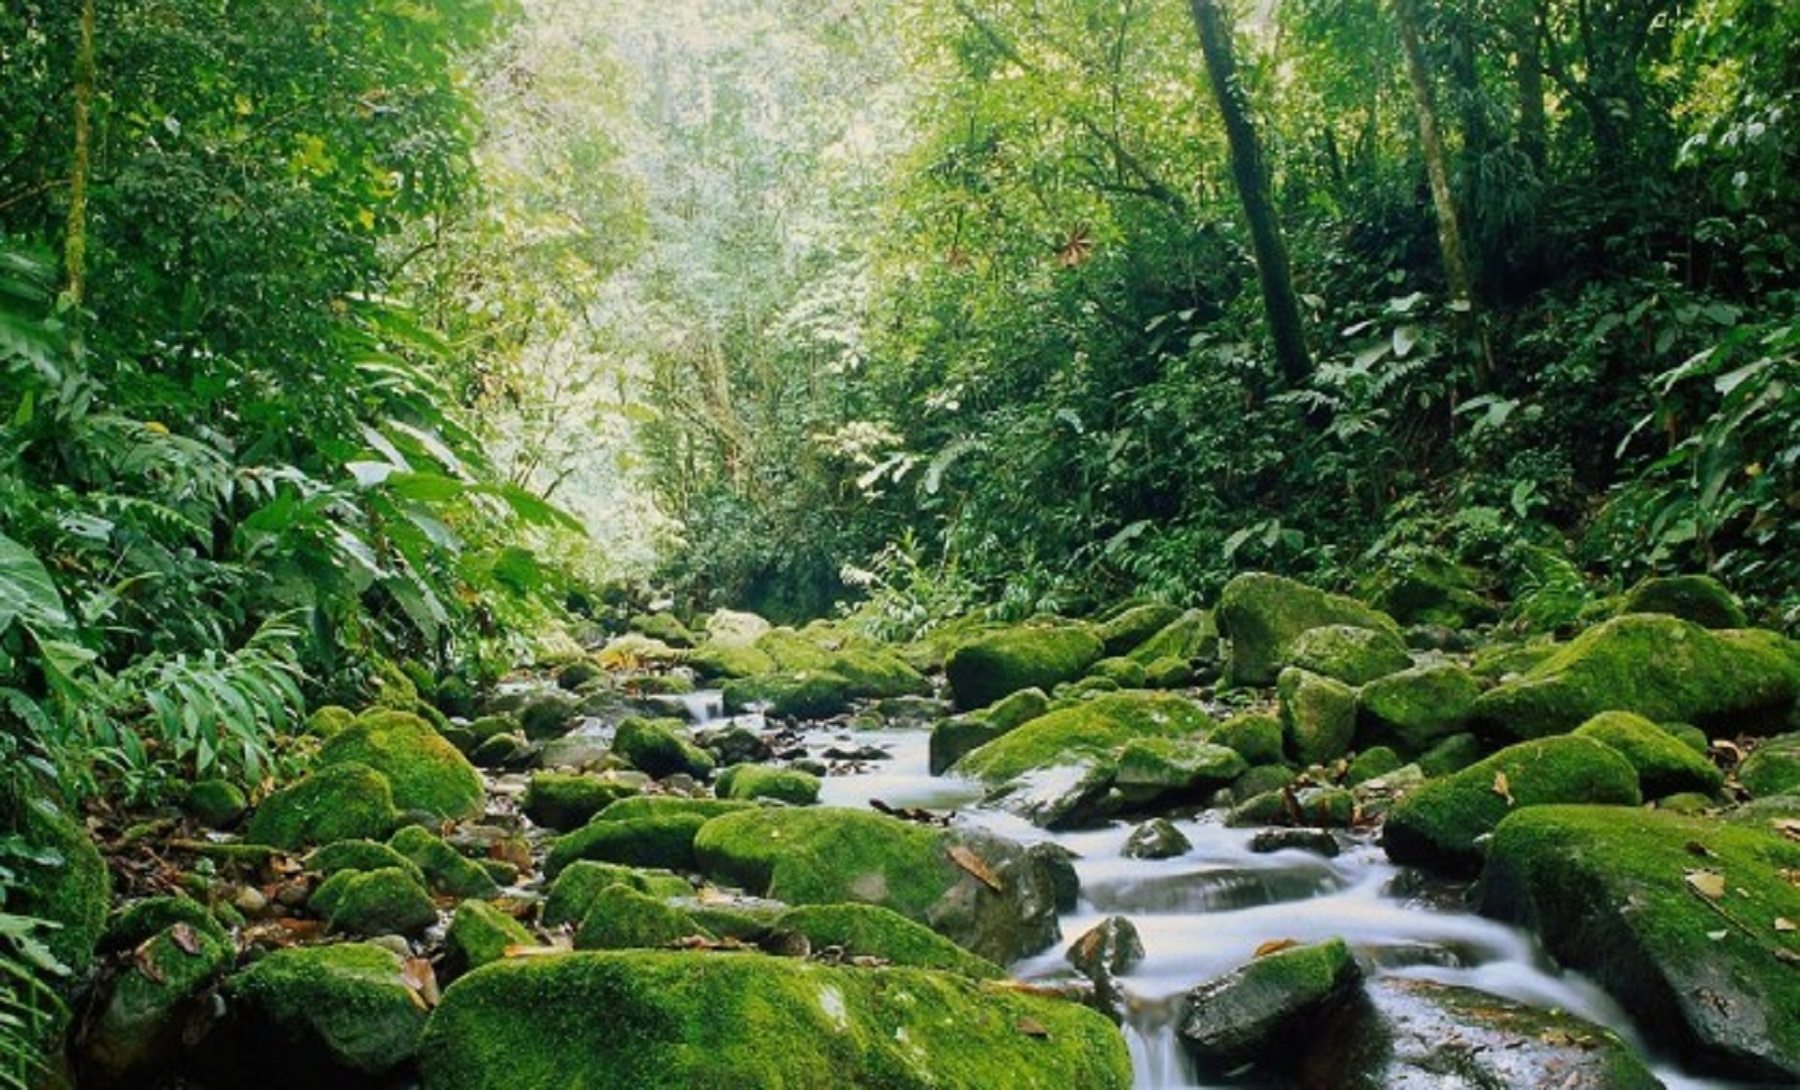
(27, 592)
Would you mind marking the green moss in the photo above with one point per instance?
(1504, 661)
(1372, 763)
(665, 842)
(1664, 765)
(1712, 979)
(139, 921)
(873, 931)
(566, 800)
(1351, 654)
(1257, 737)
(663, 626)
(345, 800)
(581, 881)
(1152, 769)
(1261, 615)
(714, 660)
(1318, 716)
(1310, 807)
(549, 714)
(621, 918)
(1123, 632)
(1193, 635)
(1092, 731)
(216, 803)
(824, 855)
(1123, 672)
(1773, 768)
(350, 1001)
(1661, 667)
(711, 1022)
(955, 737)
(329, 720)
(1422, 587)
(798, 694)
(1168, 672)
(1262, 779)
(1070, 692)
(388, 901)
(140, 1025)
(480, 933)
(1698, 598)
(1438, 825)
(1236, 1017)
(446, 870)
(660, 748)
(995, 664)
(425, 772)
(1453, 754)
(359, 855)
(649, 806)
(1413, 709)
(787, 785)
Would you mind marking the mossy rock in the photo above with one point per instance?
(750, 781)
(1262, 614)
(1698, 598)
(663, 626)
(1123, 672)
(621, 918)
(1257, 737)
(1372, 763)
(822, 855)
(1123, 632)
(1316, 807)
(136, 923)
(1773, 768)
(1421, 587)
(1664, 765)
(871, 670)
(996, 664)
(316, 1012)
(344, 855)
(797, 694)
(664, 842)
(137, 1030)
(1262, 779)
(478, 934)
(580, 882)
(503, 751)
(661, 748)
(568, 800)
(955, 737)
(649, 806)
(677, 1021)
(1162, 770)
(345, 800)
(1352, 655)
(67, 882)
(714, 660)
(1168, 672)
(1507, 661)
(549, 714)
(426, 773)
(327, 721)
(389, 901)
(215, 803)
(1702, 968)
(1453, 754)
(1318, 716)
(1267, 1005)
(1192, 636)
(1658, 666)
(446, 870)
(1092, 729)
(873, 931)
(1413, 709)
(1070, 692)
(1439, 824)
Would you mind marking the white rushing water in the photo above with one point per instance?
(1206, 911)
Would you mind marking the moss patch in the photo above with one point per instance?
(359, 855)
(70, 887)
(1351, 654)
(1698, 598)
(1088, 730)
(1413, 709)
(787, 785)
(660, 747)
(621, 918)
(1774, 768)
(425, 772)
(348, 1002)
(567, 800)
(388, 901)
(446, 870)
(873, 931)
(955, 737)
(1261, 614)
(1664, 765)
(581, 881)
(995, 664)
(825, 855)
(1193, 635)
(1318, 716)
(346, 800)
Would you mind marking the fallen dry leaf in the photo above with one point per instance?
(1707, 883)
(1031, 1027)
(1275, 946)
(1782, 923)
(419, 976)
(182, 935)
(1502, 788)
(974, 864)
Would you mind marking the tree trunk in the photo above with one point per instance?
(1534, 127)
(1280, 302)
(75, 240)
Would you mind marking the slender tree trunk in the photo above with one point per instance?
(1280, 302)
(1534, 126)
(75, 239)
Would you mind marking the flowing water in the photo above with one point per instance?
(1204, 912)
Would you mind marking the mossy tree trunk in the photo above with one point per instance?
(75, 238)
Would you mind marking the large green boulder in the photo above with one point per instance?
(445, 869)
(1773, 768)
(389, 901)
(1126, 630)
(987, 894)
(755, 781)
(426, 773)
(1698, 598)
(568, 800)
(1318, 715)
(1440, 824)
(952, 738)
(1414, 709)
(1262, 614)
(683, 1021)
(579, 883)
(870, 931)
(137, 1027)
(660, 748)
(324, 1015)
(347, 800)
(1678, 918)
(1665, 765)
(621, 918)
(1159, 770)
(1349, 653)
(1267, 1006)
(1661, 667)
(1034, 656)
(792, 694)
(1192, 635)
(871, 669)
(642, 831)
(479, 933)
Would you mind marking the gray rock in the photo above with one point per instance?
(1157, 838)
(1265, 1007)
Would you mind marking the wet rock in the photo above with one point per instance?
(660, 747)
(988, 894)
(1773, 768)
(734, 745)
(795, 694)
(764, 782)
(996, 664)
(1320, 807)
(1152, 770)
(563, 801)
(1268, 1006)
(446, 870)
(1318, 716)
(506, 752)
(1262, 614)
(1107, 950)
(480, 933)
(1353, 655)
(316, 1016)
(1664, 765)
(376, 902)
(552, 714)
(345, 800)
(1123, 633)
(733, 1020)
(425, 772)
(1370, 764)
(1661, 667)
(1440, 824)
(1698, 598)
(1316, 841)
(960, 735)
(621, 918)
(1414, 709)
(1157, 838)
(1675, 917)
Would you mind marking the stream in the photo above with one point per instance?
(1203, 913)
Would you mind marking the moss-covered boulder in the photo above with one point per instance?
(1191, 637)
(1675, 917)
(622, 918)
(1122, 632)
(1257, 737)
(674, 1021)
(579, 883)
(644, 831)
(1318, 715)
(446, 870)
(870, 931)
(989, 895)
(662, 626)
(1262, 614)
(325, 1015)
(341, 855)
(1413, 709)
(1698, 598)
(1439, 824)
(328, 720)
(425, 772)
(346, 800)
(792, 694)
(1664, 765)
(1773, 768)
(138, 1027)
(1661, 667)
(218, 804)
(63, 879)
(1351, 654)
(750, 781)
(1422, 587)
(567, 800)
(1163, 770)
(661, 747)
(1311, 807)
(959, 735)
(389, 901)
(480, 933)
(1267, 1006)
(1033, 656)
(714, 660)
(1123, 672)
